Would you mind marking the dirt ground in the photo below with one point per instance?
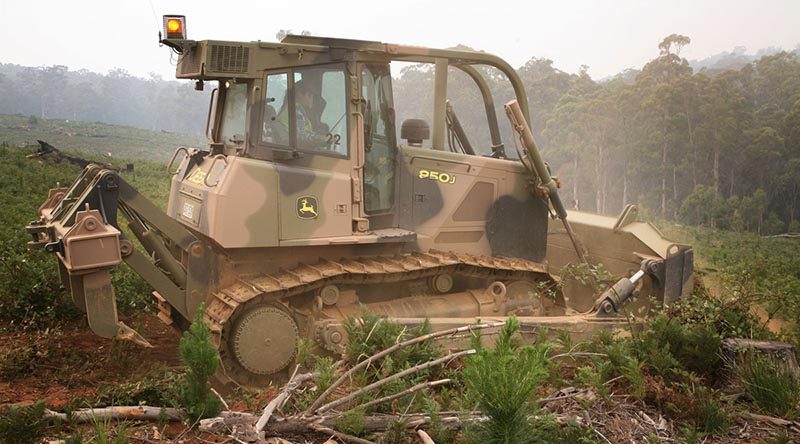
(72, 363)
(70, 367)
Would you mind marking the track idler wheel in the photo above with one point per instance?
(261, 343)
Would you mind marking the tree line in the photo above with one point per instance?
(116, 97)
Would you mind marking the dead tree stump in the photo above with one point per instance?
(736, 350)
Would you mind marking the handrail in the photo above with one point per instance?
(211, 168)
(174, 156)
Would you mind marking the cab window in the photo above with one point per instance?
(234, 111)
(307, 109)
(276, 98)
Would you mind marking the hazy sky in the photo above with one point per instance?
(608, 36)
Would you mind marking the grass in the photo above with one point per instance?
(95, 138)
(710, 415)
(771, 385)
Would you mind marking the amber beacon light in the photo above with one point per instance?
(175, 26)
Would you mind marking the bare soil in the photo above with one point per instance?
(71, 363)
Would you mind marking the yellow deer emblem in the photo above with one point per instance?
(307, 207)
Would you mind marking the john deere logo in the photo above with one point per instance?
(307, 207)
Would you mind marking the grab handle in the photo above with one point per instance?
(174, 156)
(211, 168)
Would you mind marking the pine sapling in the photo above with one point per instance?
(201, 358)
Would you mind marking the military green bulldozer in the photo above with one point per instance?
(306, 208)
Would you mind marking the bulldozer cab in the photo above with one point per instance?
(322, 111)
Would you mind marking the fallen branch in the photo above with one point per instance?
(786, 235)
(398, 375)
(282, 397)
(780, 422)
(565, 393)
(221, 399)
(449, 332)
(340, 435)
(378, 423)
(135, 413)
(424, 437)
(405, 392)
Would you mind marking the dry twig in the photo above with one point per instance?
(405, 392)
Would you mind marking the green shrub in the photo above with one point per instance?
(351, 422)
(545, 429)
(397, 433)
(730, 318)
(772, 386)
(132, 292)
(668, 344)
(633, 370)
(369, 333)
(574, 433)
(591, 376)
(22, 425)
(701, 352)
(325, 368)
(304, 354)
(75, 439)
(29, 287)
(781, 438)
(200, 357)
(657, 343)
(502, 382)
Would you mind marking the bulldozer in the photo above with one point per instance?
(307, 206)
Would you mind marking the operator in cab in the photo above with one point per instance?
(311, 132)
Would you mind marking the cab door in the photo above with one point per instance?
(380, 146)
(305, 127)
